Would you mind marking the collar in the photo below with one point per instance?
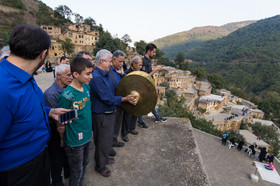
(147, 58)
(17, 72)
(102, 72)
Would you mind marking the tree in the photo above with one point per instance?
(106, 41)
(238, 92)
(126, 39)
(67, 47)
(140, 47)
(91, 22)
(216, 80)
(79, 18)
(64, 11)
(200, 73)
(180, 61)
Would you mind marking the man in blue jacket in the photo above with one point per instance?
(24, 128)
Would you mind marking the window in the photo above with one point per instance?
(49, 28)
(70, 35)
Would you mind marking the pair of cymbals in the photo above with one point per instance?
(141, 85)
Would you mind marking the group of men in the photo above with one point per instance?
(30, 125)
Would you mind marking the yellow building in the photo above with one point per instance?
(160, 93)
(53, 31)
(211, 102)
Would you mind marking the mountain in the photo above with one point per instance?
(187, 40)
(248, 58)
(256, 42)
(33, 12)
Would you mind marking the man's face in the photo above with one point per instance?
(152, 53)
(106, 64)
(85, 76)
(138, 66)
(65, 78)
(118, 62)
(65, 61)
(86, 56)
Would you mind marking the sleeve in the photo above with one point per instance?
(50, 100)
(63, 102)
(102, 92)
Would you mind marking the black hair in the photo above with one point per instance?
(63, 58)
(28, 41)
(150, 47)
(79, 64)
(81, 53)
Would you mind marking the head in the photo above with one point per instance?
(63, 75)
(64, 60)
(136, 63)
(81, 70)
(5, 51)
(103, 59)
(151, 50)
(118, 59)
(30, 43)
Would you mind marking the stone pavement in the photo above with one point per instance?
(224, 166)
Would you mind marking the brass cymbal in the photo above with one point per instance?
(143, 86)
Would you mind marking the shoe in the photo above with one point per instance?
(125, 138)
(106, 173)
(112, 152)
(134, 132)
(157, 120)
(111, 161)
(163, 119)
(118, 144)
(143, 125)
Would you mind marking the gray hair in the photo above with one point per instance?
(61, 69)
(118, 53)
(5, 51)
(135, 59)
(102, 54)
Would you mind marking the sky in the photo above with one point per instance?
(149, 20)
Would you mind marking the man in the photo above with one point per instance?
(116, 72)
(129, 120)
(87, 56)
(24, 129)
(64, 60)
(103, 106)
(57, 153)
(147, 67)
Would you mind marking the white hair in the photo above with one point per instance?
(135, 59)
(102, 54)
(5, 51)
(61, 69)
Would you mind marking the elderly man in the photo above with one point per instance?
(103, 106)
(116, 72)
(64, 60)
(57, 153)
(129, 120)
(24, 129)
(147, 67)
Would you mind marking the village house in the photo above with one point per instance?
(211, 102)
(204, 88)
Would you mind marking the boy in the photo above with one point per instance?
(78, 134)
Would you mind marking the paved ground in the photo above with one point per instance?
(224, 166)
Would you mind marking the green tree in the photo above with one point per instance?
(216, 80)
(238, 92)
(67, 47)
(270, 105)
(91, 22)
(140, 47)
(78, 18)
(200, 73)
(180, 58)
(106, 41)
(64, 11)
(126, 39)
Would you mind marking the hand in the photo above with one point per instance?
(132, 99)
(158, 67)
(61, 129)
(56, 112)
(120, 70)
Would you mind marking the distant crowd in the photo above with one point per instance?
(36, 145)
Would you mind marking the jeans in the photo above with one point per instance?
(78, 159)
(155, 113)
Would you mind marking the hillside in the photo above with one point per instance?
(187, 40)
(25, 11)
(248, 58)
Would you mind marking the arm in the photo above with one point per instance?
(158, 68)
(6, 116)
